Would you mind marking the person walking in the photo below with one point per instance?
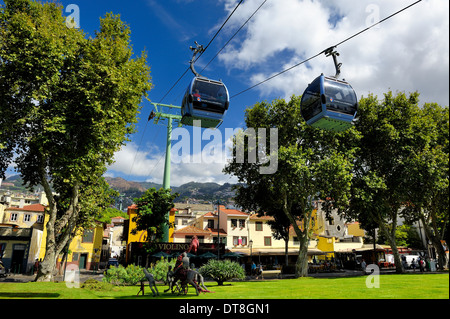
(363, 266)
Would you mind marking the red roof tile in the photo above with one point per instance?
(30, 208)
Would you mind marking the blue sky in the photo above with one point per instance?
(406, 53)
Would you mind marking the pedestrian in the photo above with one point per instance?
(413, 264)
(363, 266)
(253, 270)
(421, 264)
(260, 271)
(36, 266)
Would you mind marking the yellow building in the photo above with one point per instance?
(135, 241)
(86, 247)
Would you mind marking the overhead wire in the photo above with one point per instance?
(320, 53)
(182, 75)
(201, 53)
(279, 73)
(232, 37)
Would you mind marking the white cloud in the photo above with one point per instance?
(148, 163)
(408, 52)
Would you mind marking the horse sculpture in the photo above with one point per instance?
(184, 274)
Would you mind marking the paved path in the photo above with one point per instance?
(28, 278)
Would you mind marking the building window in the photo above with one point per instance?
(26, 217)
(40, 218)
(241, 223)
(244, 241)
(234, 223)
(235, 240)
(267, 241)
(258, 226)
(296, 241)
(210, 223)
(13, 217)
(88, 236)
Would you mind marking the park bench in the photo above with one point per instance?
(271, 273)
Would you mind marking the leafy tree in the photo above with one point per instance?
(395, 163)
(67, 104)
(428, 176)
(405, 235)
(109, 213)
(312, 164)
(222, 270)
(153, 207)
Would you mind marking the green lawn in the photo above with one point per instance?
(407, 286)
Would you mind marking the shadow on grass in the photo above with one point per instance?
(28, 295)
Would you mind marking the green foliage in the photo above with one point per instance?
(312, 164)
(133, 274)
(401, 166)
(68, 103)
(120, 275)
(222, 270)
(109, 212)
(160, 268)
(153, 207)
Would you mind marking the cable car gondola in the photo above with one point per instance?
(329, 103)
(205, 100)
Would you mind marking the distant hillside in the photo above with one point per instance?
(129, 190)
(190, 191)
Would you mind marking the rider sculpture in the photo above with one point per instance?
(182, 269)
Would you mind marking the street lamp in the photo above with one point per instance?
(250, 244)
(218, 229)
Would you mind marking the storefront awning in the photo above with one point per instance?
(276, 251)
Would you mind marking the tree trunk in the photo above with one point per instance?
(301, 266)
(435, 240)
(58, 231)
(390, 235)
(286, 250)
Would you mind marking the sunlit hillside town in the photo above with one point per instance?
(223, 232)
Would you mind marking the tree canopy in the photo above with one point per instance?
(312, 164)
(153, 207)
(393, 163)
(68, 103)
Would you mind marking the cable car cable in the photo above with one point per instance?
(206, 47)
(179, 79)
(324, 51)
(226, 44)
(232, 37)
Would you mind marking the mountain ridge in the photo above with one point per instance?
(194, 192)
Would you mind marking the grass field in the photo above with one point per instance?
(407, 286)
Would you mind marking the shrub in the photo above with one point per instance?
(222, 270)
(160, 268)
(124, 276)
